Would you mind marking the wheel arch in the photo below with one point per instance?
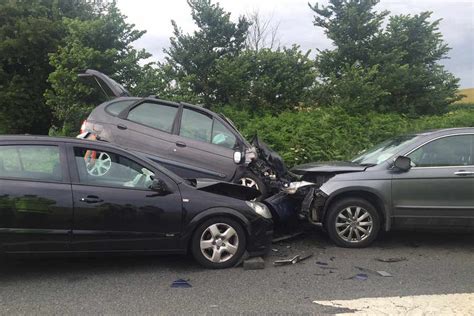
(208, 214)
(375, 199)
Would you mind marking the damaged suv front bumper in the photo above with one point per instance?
(302, 200)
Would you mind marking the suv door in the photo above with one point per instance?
(439, 189)
(35, 198)
(207, 143)
(114, 209)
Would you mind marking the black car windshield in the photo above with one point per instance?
(384, 150)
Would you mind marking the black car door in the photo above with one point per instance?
(35, 198)
(114, 209)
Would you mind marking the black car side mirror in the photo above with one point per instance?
(160, 187)
(402, 163)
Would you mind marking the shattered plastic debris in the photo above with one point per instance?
(287, 237)
(384, 274)
(180, 283)
(380, 273)
(360, 277)
(293, 260)
(322, 263)
(390, 260)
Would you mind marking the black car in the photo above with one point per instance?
(418, 181)
(65, 196)
(189, 140)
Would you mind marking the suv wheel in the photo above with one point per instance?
(249, 179)
(353, 223)
(218, 243)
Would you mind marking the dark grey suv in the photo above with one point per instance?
(191, 141)
(421, 181)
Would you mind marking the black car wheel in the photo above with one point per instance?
(249, 179)
(218, 243)
(353, 223)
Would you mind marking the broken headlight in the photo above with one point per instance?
(293, 187)
(260, 209)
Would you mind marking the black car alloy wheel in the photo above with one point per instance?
(218, 243)
(353, 223)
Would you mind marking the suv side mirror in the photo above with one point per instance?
(238, 157)
(160, 187)
(402, 163)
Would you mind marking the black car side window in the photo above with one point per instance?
(110, 169)
(154, 115)
(35, 162)
(447, 151)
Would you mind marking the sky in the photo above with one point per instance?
(295, 20)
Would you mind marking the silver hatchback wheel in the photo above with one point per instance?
(354, 224)
(249, 182)
(219, 242)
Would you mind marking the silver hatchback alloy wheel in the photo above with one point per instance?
(248, 182)
(219, 242)
(354, 224)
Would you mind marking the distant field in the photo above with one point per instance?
(469, 98)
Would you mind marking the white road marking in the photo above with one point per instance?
(442, 304)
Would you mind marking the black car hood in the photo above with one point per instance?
(225, 188)
(328, 167)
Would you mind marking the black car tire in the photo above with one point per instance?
(248, 175)
(202, 232)
(351, 205)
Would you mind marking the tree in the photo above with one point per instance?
(193, 57)
(103, 43)
(399, 64)
(263, 33)
(274, 81)
(29, 31)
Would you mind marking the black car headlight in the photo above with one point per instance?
(293, 187)
(260, 209)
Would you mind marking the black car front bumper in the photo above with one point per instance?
(260, 237)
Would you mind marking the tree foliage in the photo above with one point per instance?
(103, 43)
(193, 57)
(397, 68)
(29, 31)
(272, 81)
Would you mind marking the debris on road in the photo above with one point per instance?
(275, 250)
(293, 260)
(287, 237)
(379, 273)
(322, 263)
(180, 283)
(384, 274)
(359, 277)
(390, 260)
(256, 263)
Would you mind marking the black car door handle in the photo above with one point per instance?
(90, 199)
(464, 173)
(180, 144)
(121, 126)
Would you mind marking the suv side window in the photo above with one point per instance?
(35, 162)
(109, 169)
(447, 151)
(154, 115)
(222, 136)
(117, 107)
(196, 126)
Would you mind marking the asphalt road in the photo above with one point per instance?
(436, 264)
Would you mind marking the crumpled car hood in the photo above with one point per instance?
(229, 189)
(328, 167)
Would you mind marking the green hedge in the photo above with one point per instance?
(331, 134)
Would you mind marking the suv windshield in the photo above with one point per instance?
(384, 150)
